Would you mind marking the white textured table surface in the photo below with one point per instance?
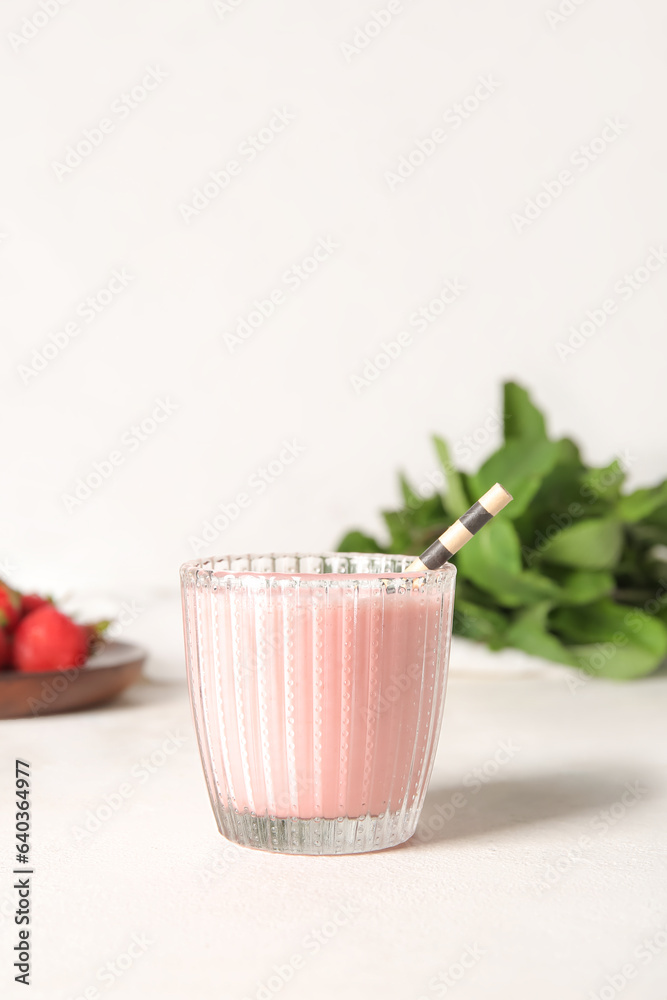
(546, 875)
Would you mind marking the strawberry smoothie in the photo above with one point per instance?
(318, 696)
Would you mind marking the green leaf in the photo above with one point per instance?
(529, 632)
(401, 541)
(467, 591)
(616, 641)
(420, 520)
(642, 503)
(520, 466)
(586, 586)
(522, 420)
(603, 486)
(558, 494)
(495, 547)
(591, 544)
(646, 532)
(472, 621)
(410, 498)
(586, 547)
(591, 622)
(568, 454)
(455, 499)
(357, 541)
(429, 514)
(658, 517)
(492, 560)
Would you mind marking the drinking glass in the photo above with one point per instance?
(317, 684)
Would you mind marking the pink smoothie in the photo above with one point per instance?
(321, 701)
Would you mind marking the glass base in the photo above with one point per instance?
(318, 835)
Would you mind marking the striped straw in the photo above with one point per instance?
(450, 541)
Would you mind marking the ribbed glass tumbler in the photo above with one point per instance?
(317, 684)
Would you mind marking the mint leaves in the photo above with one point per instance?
(574, 570)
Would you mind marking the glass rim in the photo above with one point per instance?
(206, 572)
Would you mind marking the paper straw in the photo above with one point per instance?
(455, 537)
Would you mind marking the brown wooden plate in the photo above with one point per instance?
(105, 674)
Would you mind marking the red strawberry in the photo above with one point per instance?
(10, 605)
(48, 640)
(5, 649)
(30, 602)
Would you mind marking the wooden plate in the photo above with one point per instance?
(106, 673)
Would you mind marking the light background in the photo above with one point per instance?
(324, 176)
(478, 880)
